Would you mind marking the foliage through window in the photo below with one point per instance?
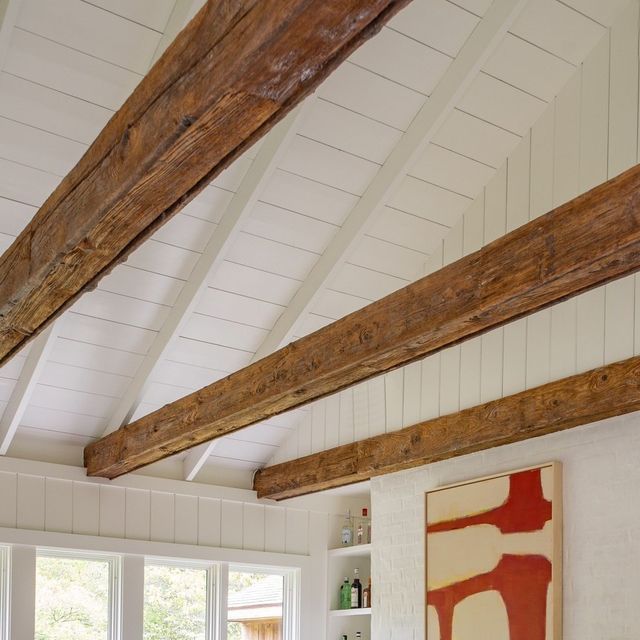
(73, 598)
(175, 602)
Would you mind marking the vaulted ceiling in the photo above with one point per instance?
(341, 204)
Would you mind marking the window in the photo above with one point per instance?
(76, 596)
(255, 605)
(176, 601)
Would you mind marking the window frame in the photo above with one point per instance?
(212, 581)
(291, 580)
(114, 562)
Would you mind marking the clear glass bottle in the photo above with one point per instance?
(367, 524)
(360, 532)
(345, 594)
(347, 531)
(356, 590)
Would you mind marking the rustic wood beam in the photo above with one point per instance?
(236, 69)
(605, 392)
(591, 240)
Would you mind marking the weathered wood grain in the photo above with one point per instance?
(602, 393)
(231, 75)
(591, 240)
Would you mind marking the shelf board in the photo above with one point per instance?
(352, 551)
(341, 613)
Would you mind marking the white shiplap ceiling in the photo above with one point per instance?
(68, 64)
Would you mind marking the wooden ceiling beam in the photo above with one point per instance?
(236, 70)
(605, 392)
(591, 240)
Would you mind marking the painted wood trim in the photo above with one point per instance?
(456, 80)
(25, 386)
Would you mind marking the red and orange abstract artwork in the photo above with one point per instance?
(494, 558)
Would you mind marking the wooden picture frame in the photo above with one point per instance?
(485, 557)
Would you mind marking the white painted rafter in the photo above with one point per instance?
(456, 80)
(461, 72)
(183, 11)
(22, 392)
(230, 225)
(9, 11)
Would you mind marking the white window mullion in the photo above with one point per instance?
(132, 598)
(222, 599)
(22, 610)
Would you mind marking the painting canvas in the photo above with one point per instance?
(494, 558)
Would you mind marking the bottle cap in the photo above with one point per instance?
(365, 512)
(346, 579)
(355, 571)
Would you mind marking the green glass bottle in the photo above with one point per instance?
(345, 595)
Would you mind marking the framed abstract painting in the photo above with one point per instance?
(494, 557)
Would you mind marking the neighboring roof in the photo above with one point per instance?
(265, 592)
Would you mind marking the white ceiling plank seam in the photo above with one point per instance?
(476, 51)
(25, 386)
(460, 74)
(9, 10)
(226, 232)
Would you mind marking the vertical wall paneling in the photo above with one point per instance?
(137, 514)
(332, 421)
(623, 106)
(112, 511)
(394, 394)
(186, 519)
(162, 519)
(58, 505)
(361, 411)
(304, 435)
(253, 527)
(318, 427)
(450, 358)
(515, 341)
(566, 172)
(31, 501)
(412, 385)
(8, 504)
(232, 523)
(86, 508)
(594, 142)
(346, 416)
(378, 406)
(495, 221)
(623, 152)
(430, 396)
(275, 528)
(297, 531)
(471, 350)
(209, 515)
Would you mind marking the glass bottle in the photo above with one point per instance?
(360, 533)
(345, 594)
(367, 521)
(347, 531)
(366, 596)
(356, 590)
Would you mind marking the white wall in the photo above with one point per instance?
(53, 505)
(601, 530)
(587, 134)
